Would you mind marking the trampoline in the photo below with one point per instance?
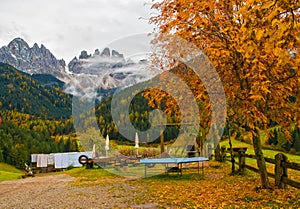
(178, 161)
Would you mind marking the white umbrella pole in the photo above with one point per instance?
(137, 143)
(107, 145)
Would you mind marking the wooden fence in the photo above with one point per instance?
(280, 171)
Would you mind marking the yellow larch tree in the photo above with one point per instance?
(254, 47)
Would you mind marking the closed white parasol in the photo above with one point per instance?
(107, 144)
(136, 143)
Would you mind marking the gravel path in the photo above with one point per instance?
(56, 191)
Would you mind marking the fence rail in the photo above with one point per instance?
(280, 171)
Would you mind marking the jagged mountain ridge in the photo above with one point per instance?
(93, 64)
(107, 69)
(32, 60)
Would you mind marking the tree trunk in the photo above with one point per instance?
(162, 140)
(218, 153)
(231, 154)
(261, 163)
(162, 144)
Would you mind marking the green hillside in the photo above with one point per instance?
(48, 80)
(20, 92)
(139, 112)
(8, 172)
(17, 143)
(35, 117)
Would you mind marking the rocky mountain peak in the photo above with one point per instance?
(35, 60)
(18, 46)
(98, 62)
(105, 52)
(108, 67)
(35, 45)
(18, 43)
(84, 55)
(97, 52)
(116, 54)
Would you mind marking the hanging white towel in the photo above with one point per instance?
(58, 160)
(33, 158)
(51, 159)
(42, 161)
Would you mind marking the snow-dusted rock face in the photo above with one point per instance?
(32, 60)
(98, 62)
(106, 69)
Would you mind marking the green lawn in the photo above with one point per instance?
(8, 172)
(293, 174)
(267, 152)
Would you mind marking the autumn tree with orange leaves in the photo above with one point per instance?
(254, 47)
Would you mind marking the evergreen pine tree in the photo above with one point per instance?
(68, 145)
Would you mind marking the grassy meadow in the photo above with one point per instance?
(8, 172)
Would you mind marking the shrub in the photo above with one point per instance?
(70, 167)
(144, 152)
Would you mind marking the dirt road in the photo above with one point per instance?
(56, 191)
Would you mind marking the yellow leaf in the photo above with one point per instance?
(259, 34)
(268, 4)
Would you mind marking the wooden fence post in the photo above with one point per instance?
(242, 161)
(218, 153)
(280, 170)
(223, 153)
(209, 149)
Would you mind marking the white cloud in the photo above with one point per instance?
(68, 26)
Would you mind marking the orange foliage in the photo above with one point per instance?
(254, 46)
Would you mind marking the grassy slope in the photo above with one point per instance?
(293, 174)
(8, 172)
(267, 153)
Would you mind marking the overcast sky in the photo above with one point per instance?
(67, 27)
